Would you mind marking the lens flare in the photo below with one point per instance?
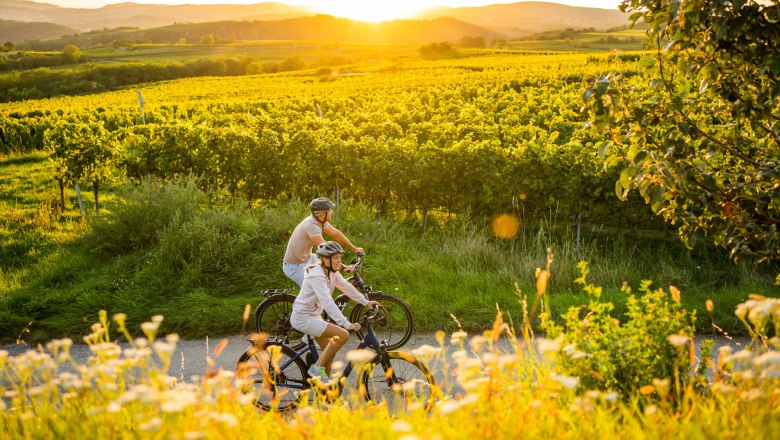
(505, 226)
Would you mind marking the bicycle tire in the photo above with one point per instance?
(400, 380)
(273, 317)
(268, 383)
(396, 326)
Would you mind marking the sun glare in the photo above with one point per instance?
(372, 11)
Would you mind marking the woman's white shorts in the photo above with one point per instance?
(312, 325)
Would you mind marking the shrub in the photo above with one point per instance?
(150, 207)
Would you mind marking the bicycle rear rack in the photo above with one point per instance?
(272, 292)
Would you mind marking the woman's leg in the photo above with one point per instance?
(331, 341)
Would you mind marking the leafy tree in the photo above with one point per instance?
(72, 54)
(697, 133)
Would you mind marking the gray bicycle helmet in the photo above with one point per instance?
(321, 204)
(329, 249)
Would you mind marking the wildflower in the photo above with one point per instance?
(120, 318)
(750, 395)
(675, 294)
(567, 381)
(536, 404)
(401, 426)
(157, 319)
(610, 397)
(226, 419)
(172, 338)
(113, 407)
(458, 337)
(767, 359)
(545, 346)
(448, 406)
(360, 356)
(440, 335)
(759, 314)
(710, 305)
(661, 386)
(195, 435)
(650, 410)
(773, 372)
(150, 326)
(678, 340)
(723, 388)
(477, 342)
(740, 357)
(152, 425)
(426, 351)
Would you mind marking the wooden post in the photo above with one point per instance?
(78, 197)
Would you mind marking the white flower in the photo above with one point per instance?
(545, 346)
(723, 388)
(150, 326)
(448, 406)
(567, 381)
(425, 351)
(458, 337)
(753, 394)
(767, 359)
(401, 426)
(360, 356)
(678, 340)
(113, 407)
(611, 396)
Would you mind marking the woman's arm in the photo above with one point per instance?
(343, 285)
(321, 290)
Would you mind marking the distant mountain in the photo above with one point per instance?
(316, 28)
(18, 31)
(143, 16)
(520, 19)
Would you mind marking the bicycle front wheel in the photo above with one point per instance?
(273, 317)
(398, 380)
(394, 324)
(274, 381)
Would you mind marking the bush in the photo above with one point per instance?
(605, 354)
(149, 208)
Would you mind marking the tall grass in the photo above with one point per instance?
(510, 390)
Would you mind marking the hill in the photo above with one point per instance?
(18, 31)
(143, 16)
(318, 28)
(524, 18)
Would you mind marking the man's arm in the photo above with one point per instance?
(339, 237)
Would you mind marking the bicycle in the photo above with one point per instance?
(279, 378)
(272, 315)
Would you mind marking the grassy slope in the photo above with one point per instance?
(200, 277)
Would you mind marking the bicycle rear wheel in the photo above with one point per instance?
(398, 380)
(273, 317)
(274, 381)
(395, 323)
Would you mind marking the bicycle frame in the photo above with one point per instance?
(370, 340)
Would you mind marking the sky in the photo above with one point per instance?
(371, 10)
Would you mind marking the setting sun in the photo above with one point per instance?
(373, 11)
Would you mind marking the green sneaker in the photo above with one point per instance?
(318, 372)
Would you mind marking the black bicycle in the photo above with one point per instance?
(395, 323)
(277, 375)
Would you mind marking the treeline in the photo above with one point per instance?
(95, 78)
(20, 60)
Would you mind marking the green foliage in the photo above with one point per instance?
(135, 223)
(696, 134)
(606, 354)
(437, 50)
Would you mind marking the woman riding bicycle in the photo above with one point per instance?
(319, 281)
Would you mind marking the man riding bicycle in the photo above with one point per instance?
(307, 235)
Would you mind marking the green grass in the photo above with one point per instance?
(168, 250)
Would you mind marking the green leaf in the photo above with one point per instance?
(647, 61)
(602, 148)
